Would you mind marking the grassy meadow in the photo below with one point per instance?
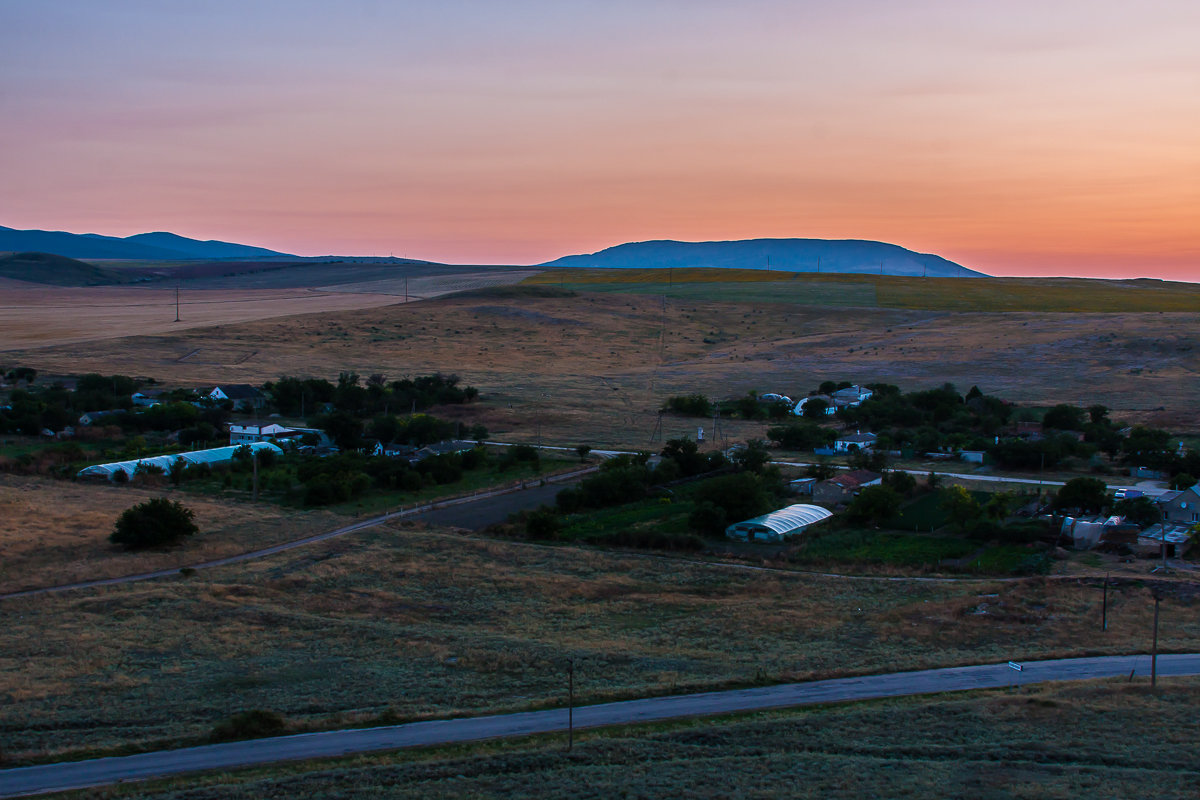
(594, 368)
(886, 291)
(1066, 740)
(405, 622)
(56, 532)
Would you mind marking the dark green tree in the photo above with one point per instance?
(874, 504)
(156, 522)
(1082, 494)
(960, 506)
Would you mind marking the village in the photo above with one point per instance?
(855, 454)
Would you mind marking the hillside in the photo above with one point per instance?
(54, 270)
(194, 248)
(158, 246)
(790, 255)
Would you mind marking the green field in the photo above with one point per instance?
(799, 292)
(886, 291)
(926, 514)
(1050, 741)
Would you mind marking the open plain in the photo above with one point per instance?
(33, 315)
(408, 622)
(595, 366)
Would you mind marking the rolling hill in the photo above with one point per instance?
(791, 255)
(55, 270)
(158, 246)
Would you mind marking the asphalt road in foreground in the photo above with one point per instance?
(103, 771)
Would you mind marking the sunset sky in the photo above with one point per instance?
(1055, 138)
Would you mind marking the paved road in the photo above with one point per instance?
(99, 772)
(476, 516)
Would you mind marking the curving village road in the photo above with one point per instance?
(46, 778)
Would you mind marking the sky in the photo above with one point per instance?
(1017, 138)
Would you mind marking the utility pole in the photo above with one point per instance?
(1104, 612)
(570, 704)
(1154, 648)
(177, 300)
(406, 288)
(254, 460)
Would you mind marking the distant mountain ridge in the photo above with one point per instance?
(786, 255)
(158, 246)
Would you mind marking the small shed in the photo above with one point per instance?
(777, 526)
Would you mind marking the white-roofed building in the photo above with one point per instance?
(214, 456)
(778, 525)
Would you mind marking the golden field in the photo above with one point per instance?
(596, 367)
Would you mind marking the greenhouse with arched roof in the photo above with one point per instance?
(778, 525)
(212, 457)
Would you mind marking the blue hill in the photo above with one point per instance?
(148, 246)
(788, 255)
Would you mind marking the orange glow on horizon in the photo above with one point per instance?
(1022, 140)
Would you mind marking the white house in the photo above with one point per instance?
(240, 394)
(854, 441)
(148, 398)
(244, 434)
(851, 396)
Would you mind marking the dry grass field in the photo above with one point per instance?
(33, 316)
(1053, 741)
(416, 622)
(56, 532)
(595, 368)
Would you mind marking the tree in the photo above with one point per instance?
(1140, 511)
(822, 470)
(1182, 481)
(960, 506)
(800, 435)
(583, 450)
(1098, 414)
(1082, 494)
(874, 504)
(1064, 417)
(901, 481)
(741, 495)
(153, 523)
(816, 408)
(997, 507)
(753, 457)
(692, 405)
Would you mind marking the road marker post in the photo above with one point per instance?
(1015, 667)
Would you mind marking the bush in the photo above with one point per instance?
(543, 524)
(153, 523)
(692, 405)
(709, 519)
(248, 725)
